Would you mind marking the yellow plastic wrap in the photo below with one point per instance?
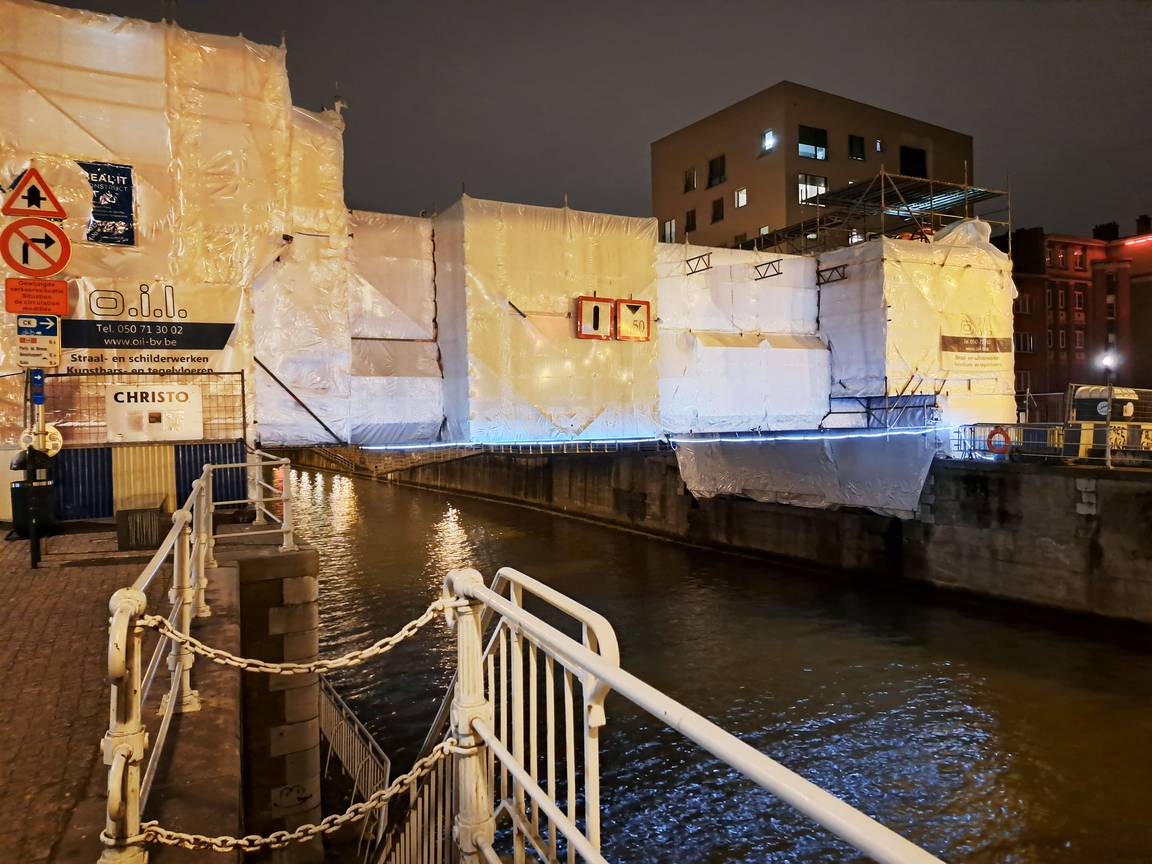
(202, 122)
(317, 193)
(508, 276)
(917, 318)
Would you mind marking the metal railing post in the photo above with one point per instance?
(209, 519)
(256, 488)
(202, 528)
(125, 741)
(180, 656)
(288, 543)
(474, 820)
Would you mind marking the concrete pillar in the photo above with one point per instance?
(281, 615)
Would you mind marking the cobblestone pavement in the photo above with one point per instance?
(54, 698)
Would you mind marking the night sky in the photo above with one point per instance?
(524, 101)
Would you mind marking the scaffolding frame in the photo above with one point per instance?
(888, 205)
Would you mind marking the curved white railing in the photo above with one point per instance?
(189, 547)
(502, 776)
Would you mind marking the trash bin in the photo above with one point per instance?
(34, 499)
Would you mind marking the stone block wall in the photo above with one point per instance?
(1067, 537)
(278, 600)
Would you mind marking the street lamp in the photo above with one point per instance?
(1108, 361)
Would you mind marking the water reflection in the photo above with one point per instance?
(985, 736)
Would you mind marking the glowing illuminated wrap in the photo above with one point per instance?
(924, 318)
(300, 300)
(302, 338)
(397, 392)
(507, 279)
(883, 474)
(738, 352)
(202, 123)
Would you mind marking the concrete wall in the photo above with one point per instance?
(1071, 538)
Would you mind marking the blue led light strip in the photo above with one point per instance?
(720, 439)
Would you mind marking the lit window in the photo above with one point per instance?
(741, 197)
(690, 221)
(1111, 338)
(879, 145)
(717, 209)
(717, 172)
(667, 231)
(856, 147)
(1048, 255)
(813, 142)
(1062, 257)
(1078, 258)
(1078, 339)
(689, 179)
(1110, 306)
(765, 229)
(767, 141)
(854, 236)
(811, 185)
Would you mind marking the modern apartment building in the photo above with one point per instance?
(1079, 299)
(747, 169)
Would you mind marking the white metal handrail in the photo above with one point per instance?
(189, 547)
(482, 795)
(362, 758)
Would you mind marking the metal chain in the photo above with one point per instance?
(151, 832)
(352, 658)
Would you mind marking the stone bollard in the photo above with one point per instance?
(281, 617)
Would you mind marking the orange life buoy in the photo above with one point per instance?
(999, 441)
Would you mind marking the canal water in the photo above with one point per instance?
(983, 732)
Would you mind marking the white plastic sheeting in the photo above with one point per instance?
(508, 277)
(738, 352)
(914, 318)
(885, 475)
(202, 121)
(397, 392)
(391, 293)
(300, 301)
(302, 337)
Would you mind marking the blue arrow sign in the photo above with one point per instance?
(37, 376)
(37, 325)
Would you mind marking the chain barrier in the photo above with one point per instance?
(352, 658)
(151, 832)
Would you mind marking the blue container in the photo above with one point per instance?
(227, 485)
(84, 482)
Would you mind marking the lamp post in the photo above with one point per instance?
(1108, 361)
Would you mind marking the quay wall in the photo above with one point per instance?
(1072, 538)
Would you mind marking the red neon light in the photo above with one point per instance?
(1136, 241)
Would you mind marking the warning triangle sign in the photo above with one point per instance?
(32, 197)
